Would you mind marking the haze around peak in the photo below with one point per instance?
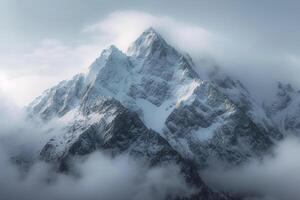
(55, 59)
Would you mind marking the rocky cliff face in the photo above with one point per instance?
(124, 132)
(284, 109)
(151, 103)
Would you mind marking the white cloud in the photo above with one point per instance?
(24, 76)
(54, 60)
(99, 176)
(124, 27)
(95, 176)
(19, 135)
(275, 176)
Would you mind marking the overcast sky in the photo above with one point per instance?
(45, 41)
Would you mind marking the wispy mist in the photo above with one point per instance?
(24, 176)
(275, 176)
(256, 63)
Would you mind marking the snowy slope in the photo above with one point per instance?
(203, 120)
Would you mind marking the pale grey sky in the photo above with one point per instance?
(39, 37)
(271, 20)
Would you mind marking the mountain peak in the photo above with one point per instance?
(109, 56)
(112, 49)
(150, 30)
(147, 43)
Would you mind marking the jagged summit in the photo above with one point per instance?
(109, 58)
(150, 30)
(150, 102)
(149, 42)
(149, 54)
(202, 119)
(112, 49)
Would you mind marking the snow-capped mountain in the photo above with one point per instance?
(203, 120)
(151, 103)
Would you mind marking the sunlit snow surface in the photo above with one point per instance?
(162, 86)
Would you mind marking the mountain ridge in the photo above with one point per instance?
(128, 102)
(156, 80)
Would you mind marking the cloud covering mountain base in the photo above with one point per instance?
(94, 176)
(274, 176)
(98, 176)
(23, 176)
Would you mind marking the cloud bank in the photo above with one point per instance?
(274, 177)
(23, 75)
(53, 60)
(97, 177)
(24, 176)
